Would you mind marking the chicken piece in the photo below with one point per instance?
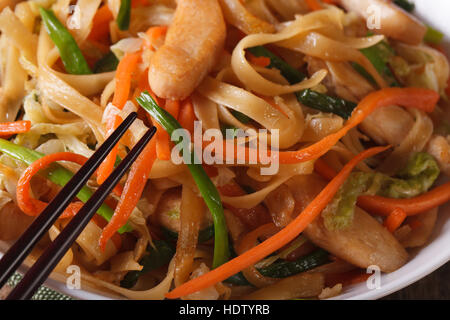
(193, 44)
(394, 22)
(439, 147)
(168, 211)
(389, 125)
(366, 242)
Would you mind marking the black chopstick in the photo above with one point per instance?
(14, 257)
(57, 249)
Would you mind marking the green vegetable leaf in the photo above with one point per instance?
(405, 5)
(106, 64)
(309, 98)
(158, 256)
(419, 174)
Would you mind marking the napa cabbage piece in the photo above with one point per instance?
(419, 174)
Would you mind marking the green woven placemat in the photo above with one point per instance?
(43, 292)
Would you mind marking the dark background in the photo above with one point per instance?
(435, 286)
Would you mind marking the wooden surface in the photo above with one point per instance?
(435, 286)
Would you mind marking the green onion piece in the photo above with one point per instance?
(324, 103)
(308, 97)
(405, 5)
(379, 55)
(56, 174)
(207, 189)
(70, 53)
(433, 36)
(124, 15)
(203, 236)
(241, 117)
(284, 269)
(159, 256)
(108, 63)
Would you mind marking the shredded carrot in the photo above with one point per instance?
(423, 99)
(100, 25)
(34, 207)
(324, 170)
(395, 219)
(162, 137)
(384, 206)
(186, 117)
(9, 128)
(134, 186)
(123, 77)
(124, 73)
(154, 33)
(259, 61)
(101, 223)
(314, 5)
(289, 233)
(331, 1)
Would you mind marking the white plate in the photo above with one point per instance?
(422, 262)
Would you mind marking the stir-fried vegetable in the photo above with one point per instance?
(124, 15)
(10, 128)
(433, 36)
(405, 5)
(109, 62)
(204, 183)
(379, 55)
(384, 206)
(310, 98)
(395, 219)
(70, 53)
(134, 186)
(289, 233)
(56, 174)
(320, 101)
(284, 269)
(417, 177)
(159, 255)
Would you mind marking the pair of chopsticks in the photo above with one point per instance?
(42, 268)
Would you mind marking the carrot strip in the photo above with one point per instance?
(395, 219)
(324, 170)
(124, 72)
(423, 99)
(384, 206)
(289, 233)
(10, 128)
(100, 25)
(187, 116)
(314, 5)
(259, 61)
(137, 178)
(34, 207)
(154, 33)
(101, 223)
(162, 137)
